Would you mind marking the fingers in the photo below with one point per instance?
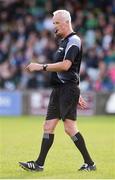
(82, 103)
(27, 69)
(82, 106)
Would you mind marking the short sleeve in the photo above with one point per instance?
(73, 48)
(72, 53)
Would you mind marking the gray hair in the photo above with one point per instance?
(64, 13)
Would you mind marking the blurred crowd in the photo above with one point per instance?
(26, 34)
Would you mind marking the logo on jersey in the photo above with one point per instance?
(60, 49)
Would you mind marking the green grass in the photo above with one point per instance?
(20, 139)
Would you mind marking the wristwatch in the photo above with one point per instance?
(45, 67)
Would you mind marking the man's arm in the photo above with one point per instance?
(54, 67)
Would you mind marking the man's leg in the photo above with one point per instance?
(72, 130)
(46, 144)
(47, 140)
(52, 118)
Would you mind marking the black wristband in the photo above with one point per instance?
(45, 67)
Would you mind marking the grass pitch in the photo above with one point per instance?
(20, 139)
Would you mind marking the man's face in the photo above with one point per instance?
(59, 26)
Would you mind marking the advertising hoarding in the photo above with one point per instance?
(10, 103)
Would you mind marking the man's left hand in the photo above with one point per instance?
(82, 103)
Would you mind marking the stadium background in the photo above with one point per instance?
(26, 33)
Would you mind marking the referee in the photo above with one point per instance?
(65, 95)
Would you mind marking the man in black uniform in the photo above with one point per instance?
(66, 93)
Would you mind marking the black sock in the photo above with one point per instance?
(80, 143)
(47, 142)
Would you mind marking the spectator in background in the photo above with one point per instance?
(26, 29)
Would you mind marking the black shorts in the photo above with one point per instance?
(63, 102)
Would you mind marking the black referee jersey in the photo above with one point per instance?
(69, 48)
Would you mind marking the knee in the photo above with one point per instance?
(68, 130)
(48, 128)
(71, 131)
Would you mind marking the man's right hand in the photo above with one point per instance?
(34, 67)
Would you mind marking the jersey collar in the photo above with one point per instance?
(71, 34)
